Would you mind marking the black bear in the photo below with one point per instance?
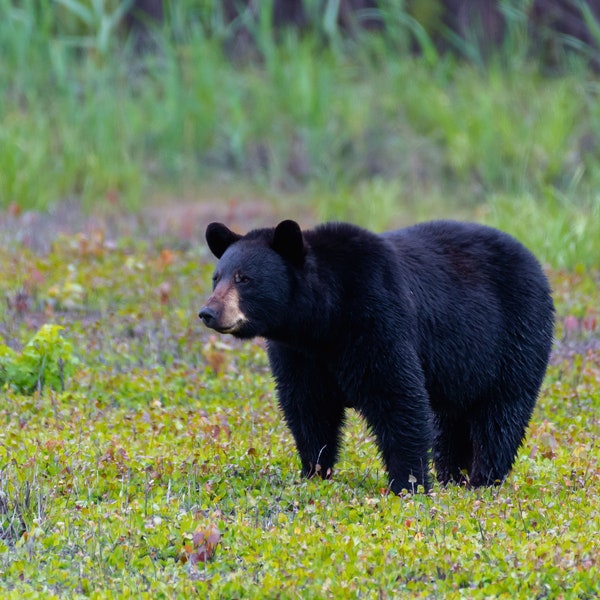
(439, 334)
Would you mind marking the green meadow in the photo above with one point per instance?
(143, 457)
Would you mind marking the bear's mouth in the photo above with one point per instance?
(231, 328)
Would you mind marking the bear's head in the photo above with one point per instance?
(254, 279)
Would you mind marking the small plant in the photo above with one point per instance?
(46, 360)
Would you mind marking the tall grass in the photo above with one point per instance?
(359, 118)
(561, 232)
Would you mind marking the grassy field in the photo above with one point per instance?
(141, 456)
(164, 469)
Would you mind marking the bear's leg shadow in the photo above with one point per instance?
(312, 406)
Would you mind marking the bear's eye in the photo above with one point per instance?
(239, 278)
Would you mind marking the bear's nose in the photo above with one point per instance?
(208, 316)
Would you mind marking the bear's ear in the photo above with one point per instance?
(288, 241)
(219, 237)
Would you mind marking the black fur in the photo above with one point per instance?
(438, 334)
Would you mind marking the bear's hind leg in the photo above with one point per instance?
(497, 431)
(452, 449)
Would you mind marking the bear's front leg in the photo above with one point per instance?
(403, 441)
(312, 406)
(395, 404)
(316, 434)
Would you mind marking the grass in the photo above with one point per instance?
(562, 233)
(93, 119)
(157, 464)
(335, 124)
(164, 468)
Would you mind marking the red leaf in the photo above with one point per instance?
(589, 323)
(197, 538)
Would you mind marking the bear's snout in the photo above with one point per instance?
(208, 316)
(222, 310)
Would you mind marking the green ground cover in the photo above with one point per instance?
(163, 468)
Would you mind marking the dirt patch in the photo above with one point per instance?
(181, 221)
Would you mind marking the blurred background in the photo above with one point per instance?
(379, 112)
